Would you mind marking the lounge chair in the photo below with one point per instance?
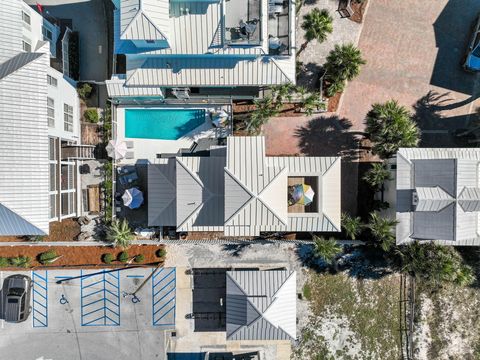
(129, 144)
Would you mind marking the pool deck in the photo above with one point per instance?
(145, 150)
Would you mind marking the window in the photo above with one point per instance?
(25, 17)
(47, 34)
(68, 117)
(51, 112)
(52, 81)
(26, 46)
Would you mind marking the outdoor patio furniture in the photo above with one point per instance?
(129, 155)
(116, 149)
(93, 195)
(132, 198)
(129, 144)
(129, 178)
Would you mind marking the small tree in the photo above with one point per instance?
(389, 127)
(312, 102)
(317, 25)
(107, 258)
(351, 225)
(435, 264)
(326, 249)
(343, 64)
(123, 257)
(265, 108)
(84, 91)
(47, 257)
(20, 261)
(139, 258)
(120, 234)
(382, 231)
(377, 175)
(91, 115)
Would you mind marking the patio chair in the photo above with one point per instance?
(129, 155)
(129, 144)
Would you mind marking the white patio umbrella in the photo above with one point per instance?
(132, 198)
(116, 149)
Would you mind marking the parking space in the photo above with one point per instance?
(91, 312)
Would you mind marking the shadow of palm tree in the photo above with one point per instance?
(309, 77)
(329, 136)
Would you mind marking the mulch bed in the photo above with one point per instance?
(333, 102)
(65, 230)
(84, 256)
(359, 11)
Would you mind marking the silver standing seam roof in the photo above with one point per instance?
(241, 193)
(261, 305)
(438, 196)
(24, 166)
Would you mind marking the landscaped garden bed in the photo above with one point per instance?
(80, 256)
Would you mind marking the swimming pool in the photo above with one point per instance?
(165, 124)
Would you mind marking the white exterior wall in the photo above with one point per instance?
(33, 33)
(64, 93)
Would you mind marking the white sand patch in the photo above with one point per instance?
(340, 340)
(422, 332)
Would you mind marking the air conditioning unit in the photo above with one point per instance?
(181, 93)
(414, 198)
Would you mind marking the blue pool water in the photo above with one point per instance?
(166, 124)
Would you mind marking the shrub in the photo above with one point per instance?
(107, 258)
(307, 292)
(435, 264)
(20, 261)
(84, 91)
(91, 115)
(390, 127)
(161, 253)
(377, 175)
(47, 257)
(120, 234)
(382, 231)
(139, 258)
(4, 262)
(326, 249)
(37, 238)
(123, 257)
(351, 225)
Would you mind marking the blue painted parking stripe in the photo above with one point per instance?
(102, 290)
(135, 276)
(39, 298)
(164, 297)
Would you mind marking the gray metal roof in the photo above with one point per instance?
(11, 29)
(200, 193)
(207, 70)
(162, 193)
(16, 63)
(438, 196)
(24, 165)
(261, 305)
(144, 19)
(116, 87)
(243, 192)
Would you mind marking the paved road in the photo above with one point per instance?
(88, 318)
(414, 49)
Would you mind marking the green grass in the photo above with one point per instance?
(368, 307)
(307, 292)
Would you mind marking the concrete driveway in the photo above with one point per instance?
(89, 318)
(88, 17)
(413, 51)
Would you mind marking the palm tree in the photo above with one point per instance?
(381, 229)
(389, 127)
(326, 249)
(265, 108)
(344, 62)
(120, 234)
(377, 175)
(352, 225)
(312, 102)
(317, 25)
